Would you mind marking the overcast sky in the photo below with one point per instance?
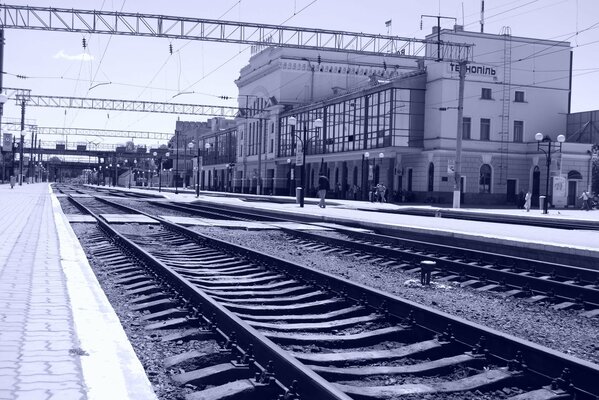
(136, 68)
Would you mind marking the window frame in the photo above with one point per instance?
(518, 131)
(519, 99)
(486, 94)
(466, 133)
(485, 122)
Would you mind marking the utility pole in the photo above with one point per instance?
(439, 18)
(22, 142)
(260, 133)
(482, 16)
(2, 102)
(31, 165)
(457, 185)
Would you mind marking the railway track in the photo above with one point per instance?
(564, 286)
(314, 326)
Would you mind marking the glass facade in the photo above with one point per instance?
(222, 148)
(389, 117)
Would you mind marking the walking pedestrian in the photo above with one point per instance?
(355, 189)
(323, 187)
(585, 200)
(521, 199)
(527, 200)
(12, 182)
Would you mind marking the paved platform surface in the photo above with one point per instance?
(59, 337)
(579, 242)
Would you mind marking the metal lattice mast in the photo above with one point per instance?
(505, 105)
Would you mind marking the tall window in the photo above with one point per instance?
(518, 131)
(485, 129)
(466, 124)
(431, 176)
(519, 96)
(484, 184)
(486, 94)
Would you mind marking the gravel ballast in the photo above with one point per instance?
(565, 331)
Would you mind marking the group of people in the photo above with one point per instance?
(378, 193)
(589, 201)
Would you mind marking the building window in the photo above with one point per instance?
(484, 185)
(466, 123)
(486, 94)
(485, 129)
(518, 131)
(519, 96)
(431, 176)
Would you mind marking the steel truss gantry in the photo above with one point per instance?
(172, 27)
(128, 105)
(46, 130)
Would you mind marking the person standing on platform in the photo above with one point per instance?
(527, 200)
(521, 200)
(585, 200)
(323, 187)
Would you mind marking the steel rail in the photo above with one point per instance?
(562, 271)
(287, 368)
(461, 264)
(543, 361)
(507, 219)
(548, 363)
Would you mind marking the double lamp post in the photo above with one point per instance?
(302, 160)
(548, 147)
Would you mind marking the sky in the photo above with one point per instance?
(139, 68)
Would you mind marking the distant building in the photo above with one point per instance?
(393, 120)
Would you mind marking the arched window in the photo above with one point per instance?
(572, 175)
(431, 176)
(484, 184)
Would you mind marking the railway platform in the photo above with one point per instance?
(59, 336)
(583, 243)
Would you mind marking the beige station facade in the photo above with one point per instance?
(393, 120)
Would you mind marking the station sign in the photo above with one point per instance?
(299, 156)
(7, 142)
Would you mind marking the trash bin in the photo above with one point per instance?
(541, 203)
(298, 194)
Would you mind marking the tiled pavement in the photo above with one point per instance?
(51, 306)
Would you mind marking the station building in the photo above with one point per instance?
(364, 119)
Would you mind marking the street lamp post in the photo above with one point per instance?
(290, 177)
(160, 162)
(365, 175)
(129, 184)
(190, 146)
(546, 141)
(207, 147)
(3, 99)
(177, 164)
(317, 124)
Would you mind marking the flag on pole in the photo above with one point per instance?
(388, 23)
